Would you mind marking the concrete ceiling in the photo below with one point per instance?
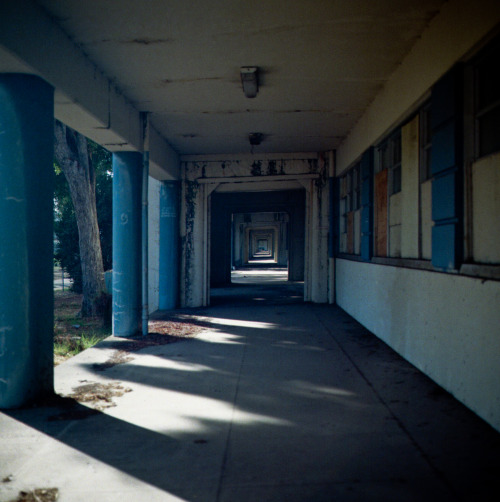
(321, 63)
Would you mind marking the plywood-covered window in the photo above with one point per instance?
(425, 203)
(387, 184)
(425, 140)
(395, 166)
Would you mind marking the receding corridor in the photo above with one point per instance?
(258, 286)
(276, 402)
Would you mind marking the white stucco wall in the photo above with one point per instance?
(447, 325)
(153, 243)
(409, 189)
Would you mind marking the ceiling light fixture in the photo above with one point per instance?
(255, 138)
(250, 80)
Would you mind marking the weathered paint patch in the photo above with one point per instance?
(256, 168)
(191, 189)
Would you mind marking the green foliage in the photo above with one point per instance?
(71, 346)
(101, 159)
(67, 251)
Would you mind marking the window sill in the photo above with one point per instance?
(403, 262)
(479, 271)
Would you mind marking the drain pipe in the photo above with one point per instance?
(331, 240)
(145, 180)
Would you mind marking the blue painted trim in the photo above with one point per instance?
(367, 204)
(444, 200)
(443, 148)
(443, 243)
(447, 168)
(144, 244)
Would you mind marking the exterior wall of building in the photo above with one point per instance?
(430, 288)
(456, 30)
(446, 325)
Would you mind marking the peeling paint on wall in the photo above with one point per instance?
(252, 167)
(191, 189)
(256, 168)
(271, 168)
(196, 218)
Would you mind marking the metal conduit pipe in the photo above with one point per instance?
(331, 236)
(145, 268)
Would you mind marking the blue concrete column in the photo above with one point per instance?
(26, 239)
(169, 245)
(127, 230)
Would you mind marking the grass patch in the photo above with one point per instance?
(73, 334)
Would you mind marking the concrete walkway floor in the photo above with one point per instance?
(267, 402)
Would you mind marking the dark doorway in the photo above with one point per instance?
(257, 246)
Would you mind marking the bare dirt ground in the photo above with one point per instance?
(161, 332)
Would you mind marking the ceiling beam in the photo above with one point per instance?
(85, 99)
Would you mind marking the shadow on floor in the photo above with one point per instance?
(269, 402)
(257, 286)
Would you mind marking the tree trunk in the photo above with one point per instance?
(72, 155)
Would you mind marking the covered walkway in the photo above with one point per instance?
(266, 402)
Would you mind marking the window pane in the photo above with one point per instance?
(383, 156)
(343, 186)
(397, 150)
(488, 84)
(396, 179)
(427, 127)
(489, 132)
(488, 77)
(425, 143)
(427, 156)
